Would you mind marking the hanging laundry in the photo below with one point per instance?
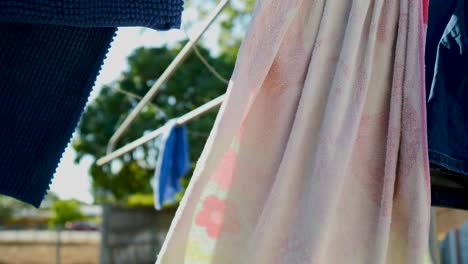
(447, 84)
(447, 93)
(319, 152)
(50, 55)
(173, 163)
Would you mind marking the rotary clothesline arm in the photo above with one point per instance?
(180, 121)
(163, 78)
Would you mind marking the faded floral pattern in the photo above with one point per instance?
(216, 216)
(223, 173)
(319, 153)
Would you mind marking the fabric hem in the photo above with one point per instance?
(23, 197)
(448, 162)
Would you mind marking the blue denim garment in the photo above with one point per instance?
(447, 113)
(447, 85)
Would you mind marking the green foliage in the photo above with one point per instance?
(7, 208)
(191, 86)
(140, 199)
(65, 211)
(10, 207)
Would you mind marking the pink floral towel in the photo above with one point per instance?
(319, 153)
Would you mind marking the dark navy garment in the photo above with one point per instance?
(50, 55)
(447, 107)
(447, 85)
(156, 14)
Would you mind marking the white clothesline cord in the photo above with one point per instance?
(180, 121)
(204, 61)
(134, 96)
(127, 93)
(164, 77)
(209, 67)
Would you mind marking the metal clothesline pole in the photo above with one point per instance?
(180, 121)
(164, 77)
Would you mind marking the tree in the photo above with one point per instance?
(191, 86)
(7, 209)
(12, 210)
(65, 211)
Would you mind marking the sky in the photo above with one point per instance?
(72, 181)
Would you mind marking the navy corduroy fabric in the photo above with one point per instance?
(156, 14)
(50, 55)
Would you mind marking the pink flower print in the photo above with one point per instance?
(223, 173)
(217, 216)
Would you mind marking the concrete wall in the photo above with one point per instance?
(133, 235)
(128, 235)
(40, 247)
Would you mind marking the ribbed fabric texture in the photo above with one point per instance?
(50, 55)
(156, 14)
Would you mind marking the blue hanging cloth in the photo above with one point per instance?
(172, 164)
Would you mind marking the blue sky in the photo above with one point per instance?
(72, 180)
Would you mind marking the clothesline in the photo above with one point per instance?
(180, 121)
(191, 45)
(200, 56)
(164, 77)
